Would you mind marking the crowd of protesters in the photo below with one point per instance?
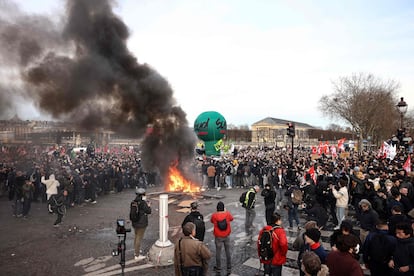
(35, 174)
(376, 188)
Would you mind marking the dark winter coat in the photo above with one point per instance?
(404, 255)
(197, 218)
(269, 197)
(143, 211)
(368, 219)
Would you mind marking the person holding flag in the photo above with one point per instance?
(407, 164)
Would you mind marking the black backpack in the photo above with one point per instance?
(242, 199)
(200, 226)
(134, 211)
(265, 244)
(222, 224)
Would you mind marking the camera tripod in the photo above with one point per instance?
(121, 251)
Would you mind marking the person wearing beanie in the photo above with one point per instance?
(312, 237)
(222, 229)
(197, 218)
(299, 243)
(190, 255)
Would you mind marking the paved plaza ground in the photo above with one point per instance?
(82, 245)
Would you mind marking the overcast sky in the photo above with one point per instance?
(254, 59)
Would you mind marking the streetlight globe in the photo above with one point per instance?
(402, 106)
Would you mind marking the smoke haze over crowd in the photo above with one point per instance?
(80, 68)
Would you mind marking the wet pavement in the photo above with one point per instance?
(83, 243)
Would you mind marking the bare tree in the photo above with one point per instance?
(364, 102)
(335, 127)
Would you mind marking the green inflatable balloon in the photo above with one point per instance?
(210, 126)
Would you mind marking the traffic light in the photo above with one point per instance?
(290, 130)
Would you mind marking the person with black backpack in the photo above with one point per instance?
(272, 246)
(197, 218)
(378, 248)
(221, 221)
(139, 210)
(248, 201)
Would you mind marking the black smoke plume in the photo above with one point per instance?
(80, 68)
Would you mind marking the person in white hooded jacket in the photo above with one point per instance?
(51, 188)
(342, 199)
(51, 185)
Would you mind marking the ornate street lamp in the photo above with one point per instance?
(402, 108)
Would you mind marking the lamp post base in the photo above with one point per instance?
(161, 255)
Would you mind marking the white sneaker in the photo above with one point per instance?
(94, 202)
(140, 257)
(218, 189)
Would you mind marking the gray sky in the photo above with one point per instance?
(253, 59)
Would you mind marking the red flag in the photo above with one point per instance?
(326, 148)
(407, 164)
(341, 146)
(333, 151)
(311, 171)
(320, 148)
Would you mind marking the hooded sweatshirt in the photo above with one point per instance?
(51, 185)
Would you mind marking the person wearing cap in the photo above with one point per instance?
(141, 223)
(222, 236)
(190, 255)
(197, 218)
(396, 217)
(312, 237)
(378, 248)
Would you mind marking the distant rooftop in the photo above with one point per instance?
(275, 121)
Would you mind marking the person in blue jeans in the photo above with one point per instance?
(291, 207)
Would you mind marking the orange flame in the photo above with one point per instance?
(179, 183)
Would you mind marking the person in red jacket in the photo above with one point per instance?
(274, 266)
(222, 229)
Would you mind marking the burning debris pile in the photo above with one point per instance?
(80, 68)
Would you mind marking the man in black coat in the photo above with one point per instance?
(269, 200)
(402, 261)
(197, 218)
